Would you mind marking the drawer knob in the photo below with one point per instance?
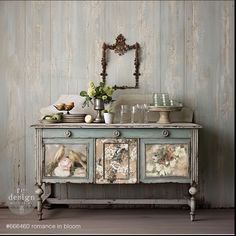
(116, 133)
(68, 133)
(165, 133)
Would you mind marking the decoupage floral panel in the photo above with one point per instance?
(66, 160)
(116, 161)
(166, 160)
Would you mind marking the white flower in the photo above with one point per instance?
(65, 163)
(172, 163)
(104, 97)
(159, 167)
(91, 84)
(163, 170)
(81, 172)
(91, 92)
(180, 152)
(61, 172)
(149, 167)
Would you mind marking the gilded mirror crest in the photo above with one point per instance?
(120, 47)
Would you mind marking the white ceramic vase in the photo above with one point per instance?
(108, 117)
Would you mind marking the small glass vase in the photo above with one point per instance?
(125, 114)
(99, 106)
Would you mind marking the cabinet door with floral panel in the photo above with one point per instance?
(116, 161)
(165, 160)
(69, 161)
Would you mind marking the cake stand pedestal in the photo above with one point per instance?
(164, 112)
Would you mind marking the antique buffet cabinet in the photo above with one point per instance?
(116, 154)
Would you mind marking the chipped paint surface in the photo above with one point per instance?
(116, 161)
(166, 160)
(66, 160)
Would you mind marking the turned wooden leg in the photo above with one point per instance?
(47, 193)
(192, 191)
(39, 192)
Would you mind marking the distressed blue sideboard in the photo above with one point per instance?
(116, 154)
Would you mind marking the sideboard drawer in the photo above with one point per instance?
(117, 133)
(116, 161)
(68, 161)
(165, 160)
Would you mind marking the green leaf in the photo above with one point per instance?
(102, 84)
(83, 94)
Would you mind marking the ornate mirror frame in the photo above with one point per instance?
(120, 47)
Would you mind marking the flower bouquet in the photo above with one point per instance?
(102, 92)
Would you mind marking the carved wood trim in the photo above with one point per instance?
(120, 47)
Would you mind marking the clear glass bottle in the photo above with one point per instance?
(134, 114)
(125, 114)
(137, 114)
(145, 113)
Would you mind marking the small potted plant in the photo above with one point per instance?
(108, 113)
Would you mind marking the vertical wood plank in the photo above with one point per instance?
(208, 92)
(60, 56)
(224, 106)
(37, 85)
(172, 48)
(149, 34)
(94, 22)
(13, 92)
(5, 162)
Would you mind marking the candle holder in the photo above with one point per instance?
(99, 106)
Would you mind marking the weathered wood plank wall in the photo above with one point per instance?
(53, 48)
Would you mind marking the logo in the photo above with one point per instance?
(21, 202)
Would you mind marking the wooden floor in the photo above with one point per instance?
(120, 221)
